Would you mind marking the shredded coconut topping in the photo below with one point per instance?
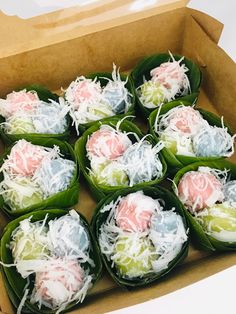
(54, 175)
(32, 173)
(198, 189)
(115, 161)
(142, 163)
(213, 141)
(185, 132)
(88, 101)
(168, 81)
(55, 252)
(219, 221)
(26, 113)
(138, 237)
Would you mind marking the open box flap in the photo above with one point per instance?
(212, 27)
(219, 70)
(20, 35)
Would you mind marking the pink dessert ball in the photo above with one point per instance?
(85, 90)
(25, 158)
(198, 190)
(107, 143)
(58, 285)
(21, 100)
(168, 70)
(134, 212)
(186, 120)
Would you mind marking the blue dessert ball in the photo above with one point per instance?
(117, 96)
(68, 237)
(55, 175)
(165, 222)
(229, 190)
(212, 142)
(49, 119)
(141, 163)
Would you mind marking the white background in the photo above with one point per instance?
(223, 10)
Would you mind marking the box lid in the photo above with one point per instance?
(24, 34)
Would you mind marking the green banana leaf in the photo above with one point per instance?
(15, 283)
(102, 78)
(44, 95)
(63, 199)
(144, 67)
(98, 190)
(176, 162)
(100, 217)
(200, 238)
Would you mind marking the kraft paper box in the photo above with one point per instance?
(53, 49)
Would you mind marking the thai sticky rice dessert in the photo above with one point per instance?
(116, 161)
(139, 237)
(184, 131)
(26, 113)
(32, 173)
(61, 272)
(167, 81)
(90, 101)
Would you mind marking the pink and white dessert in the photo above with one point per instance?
(24, 158)
(140, 237)
(168, 81)
(185, 132)
(107, 142)
(200, 189)
(18, 101)
(33, 173)
(172, 75)
(58, 284)
(182, 119)
(88, 100)
(134, 212)
(25, 113)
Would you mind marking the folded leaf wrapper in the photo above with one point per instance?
(23, 125)
(100, 189)
(177, 161)
(201, 237)
(141, 74)
(16, 285)
(63, 198)
(149, 238)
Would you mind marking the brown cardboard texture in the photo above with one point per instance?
(182, 31)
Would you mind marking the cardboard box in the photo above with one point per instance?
(54, 49)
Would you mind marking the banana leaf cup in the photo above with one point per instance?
(16, 285)
(62, 199)
(175, 161)
(203, 237)
(142, 71)
(44, 95)
(100, 190)
(103, 214)
(103, 78)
